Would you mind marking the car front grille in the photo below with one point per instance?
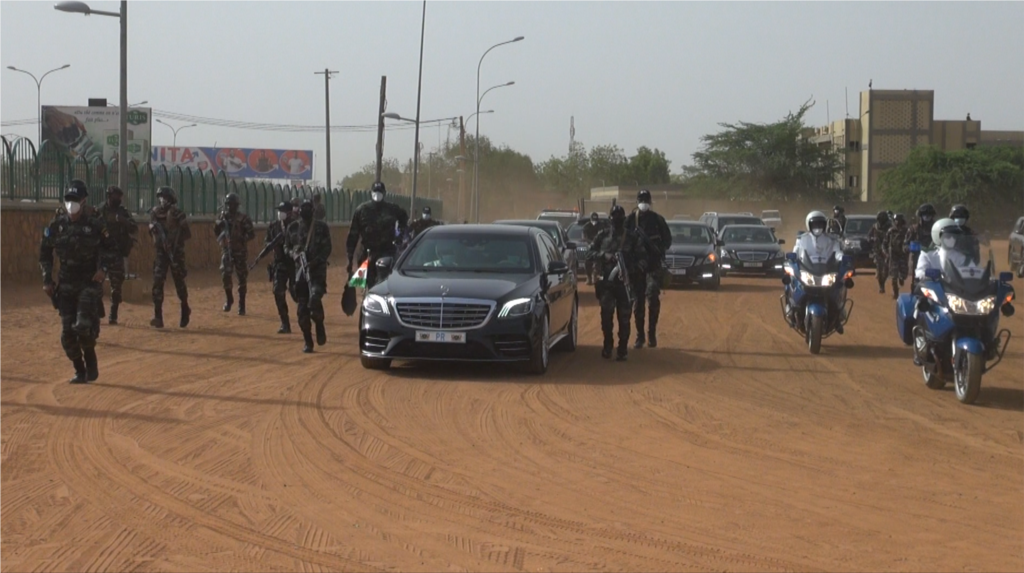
(444, 314)
(512, 345)
(752, 256)
(678, 262)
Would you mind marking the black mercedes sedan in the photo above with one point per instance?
(750, 249)
(558, 235)
(855, 240)
(486, 293)
(691, 258)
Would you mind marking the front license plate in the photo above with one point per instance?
(752, 265)
(440, 336)
(677, 271)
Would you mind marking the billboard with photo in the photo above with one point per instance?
(94, 132)
(292, 164)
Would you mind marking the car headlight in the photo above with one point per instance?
(516, 307)
(817, 281)
(376, 304)
(710, 258)
(963, 306)
(778, 255)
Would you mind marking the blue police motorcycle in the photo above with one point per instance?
(952, 319)
(814, 302)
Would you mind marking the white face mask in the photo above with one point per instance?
(817, 231)
(644, 206)
(949, 242)
(960, 222)
(164, 202)
(377, 196)
(426, 217)
(73, 207)
(282, 215)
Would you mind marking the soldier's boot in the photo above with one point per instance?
(186, 314)
(881, 286)
(92, 365)
(229, 300)
(113, 313)
(321, 333)
(652, 339)
(286, 327)
(640, 340)
(895, 288)
(606, 351)
(620, 356)
(241, 304)
(307, 337)
(158, 315)
(81, 376)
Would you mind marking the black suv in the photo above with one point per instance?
(855, 240)
(750, 249)
(718, 220)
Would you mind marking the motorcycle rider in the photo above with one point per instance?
(820, 246)
(961, 215)
(590, 231)
(657, 239)
(837, 224)
(876, 236)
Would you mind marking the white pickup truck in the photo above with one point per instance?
(772, 219)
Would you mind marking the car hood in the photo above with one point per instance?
(410, 284)
(769, 247)
(690, 250)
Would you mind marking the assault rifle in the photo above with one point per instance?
(266, 250)
(623, 272)
(302, 272)
(161, 235)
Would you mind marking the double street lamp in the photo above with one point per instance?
(122, 144)
(39, 104)
(476, 164)
(175, 130)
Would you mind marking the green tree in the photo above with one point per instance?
(766, 161)
(390, 174)
(647, 167)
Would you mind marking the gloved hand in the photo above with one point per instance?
(48, 289)
(348, 268)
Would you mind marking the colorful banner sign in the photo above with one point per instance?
(94, 132)
(293, 164)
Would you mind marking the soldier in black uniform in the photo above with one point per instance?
(169, 226)
(657, 239)
(611, 287)
(377, 223)
(876, 238)
(79, 236)
(921, 231)
(234, 230)
(837, 224)
(124, 231)
(282, 269)
(590, 231)
(425, 222)
(310, 239)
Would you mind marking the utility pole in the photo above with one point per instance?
(419, 92)
(462, 165)
(380, 124)
(327, 126)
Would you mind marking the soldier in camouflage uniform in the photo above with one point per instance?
(282, 269)
(611, 290)
(124, 231)
(311, 238)
(657, 239)
(921, 232)
(79, 236)
(876, 237)
(234, 230)
(169, 226)
(895, 248)
(425, 222)
(377, 223)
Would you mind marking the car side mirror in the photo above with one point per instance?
(570, 245)
(933, 274)
(791, 257)
(719, 243)
(384, 265)
(1005, 276)
(558, 267)
(915, 247)
(782, 241)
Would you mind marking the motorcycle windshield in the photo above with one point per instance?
(963, 271)
(819, 265)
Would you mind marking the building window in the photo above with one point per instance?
(971, 145)
(854, 145)
(853, 181)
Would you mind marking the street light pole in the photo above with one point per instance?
(39, 100)
(175, 130)
(419, 93)
(476, 153)
(122, 148)
(477, 138)
(327, 126)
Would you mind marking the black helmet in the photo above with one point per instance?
(426, 210)
(926, 210)
(114, 190)
(167, 193)
(232, 199)
(617, 212)
(882, 217)
(296, 201)
(77, 190)
(378, 187)
(306, 209)
(644, 196)
(899, 218)
(959, 212)
(594, 215)
(838, 209)
(285, 207)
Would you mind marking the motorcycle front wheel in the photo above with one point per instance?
(967, 376)
(814, 333)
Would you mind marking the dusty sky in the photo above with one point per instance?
(632, 73)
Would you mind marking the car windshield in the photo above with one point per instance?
(690, 234)
(476, 253)
(576, 232)
(723, 221)
(563, 219)
(748, 235)
(859, 226)
(553, 230)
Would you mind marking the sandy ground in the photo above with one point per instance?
(223, 447)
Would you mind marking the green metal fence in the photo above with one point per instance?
(26, 175)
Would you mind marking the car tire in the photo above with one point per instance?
(370, 363)
(715, 282)
(541, 354)
(568, 344)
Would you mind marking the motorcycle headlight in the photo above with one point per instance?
(973, 307)
(817, 281)
(516, 307)
(376, 304)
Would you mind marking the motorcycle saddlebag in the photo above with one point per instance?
(905, 321)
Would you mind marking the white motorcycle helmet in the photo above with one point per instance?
(816, 219)
(947, 227)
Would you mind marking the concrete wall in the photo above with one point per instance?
(22, 224)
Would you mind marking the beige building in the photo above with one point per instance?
(891, 123)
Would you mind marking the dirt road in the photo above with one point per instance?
(223, 447)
